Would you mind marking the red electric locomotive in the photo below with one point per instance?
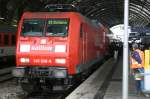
(55, 48)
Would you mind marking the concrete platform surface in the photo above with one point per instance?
(114, 91)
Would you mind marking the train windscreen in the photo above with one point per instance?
(33, 27)
(57, 27)
(50, 27)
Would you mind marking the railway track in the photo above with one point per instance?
(44, 95)
(10, 90)
(5, 74)
(52, 95)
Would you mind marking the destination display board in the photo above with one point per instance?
(57, 21)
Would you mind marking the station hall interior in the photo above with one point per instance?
(109, 13)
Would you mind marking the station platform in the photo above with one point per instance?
(114, 90)
(93, 87)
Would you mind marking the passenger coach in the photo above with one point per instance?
(7, 45)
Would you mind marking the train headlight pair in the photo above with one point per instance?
(60, 48)
(60, 60)
(24, 60)
(18, 72)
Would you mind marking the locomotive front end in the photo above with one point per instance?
(42, 43)
(42, 50)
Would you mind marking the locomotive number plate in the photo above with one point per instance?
(42, 60)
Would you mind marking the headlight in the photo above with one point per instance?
(60, 48)
(60, 73)
(24, 60)
(60, 61)
(18, 72)
(24, 48)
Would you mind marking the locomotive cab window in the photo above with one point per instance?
(57, 27)
(33, 27)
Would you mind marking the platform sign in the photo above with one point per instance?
(147, 71)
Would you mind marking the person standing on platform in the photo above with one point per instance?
(137, 66)
(116, 49)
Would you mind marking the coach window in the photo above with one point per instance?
(6, 40)
(0, 40)
(13, 39)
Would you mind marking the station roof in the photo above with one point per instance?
(111, 12)
(108, 12)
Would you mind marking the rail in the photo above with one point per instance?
(5, 74)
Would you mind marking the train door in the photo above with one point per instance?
(83, 35)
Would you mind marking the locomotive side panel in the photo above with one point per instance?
(91, 45)
(73, 40)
